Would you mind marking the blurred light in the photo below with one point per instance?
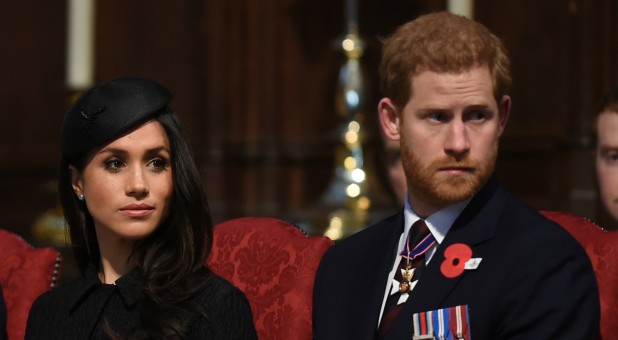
(358, 175)
(352, 98)
(354, 126)
(348, 44)
(363, 203)
(333, 234)
(352, 190)
(336, 222)
(351, 137)
(334, 231)
(349, 163)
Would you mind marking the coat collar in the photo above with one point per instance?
(128, 286)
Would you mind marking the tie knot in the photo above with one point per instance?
(418, 231)
(420, 226)
(420, 240)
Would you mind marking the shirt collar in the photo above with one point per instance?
(439, 223)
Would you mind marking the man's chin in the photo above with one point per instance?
(456, 191)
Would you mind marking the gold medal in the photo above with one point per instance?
(404, 287)
(407, 274)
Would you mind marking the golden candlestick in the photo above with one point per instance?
(347, 195)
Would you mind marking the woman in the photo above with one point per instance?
(139, 226)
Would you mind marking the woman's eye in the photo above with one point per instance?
(158, 163)
(113, 164)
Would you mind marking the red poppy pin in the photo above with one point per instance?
(457, 258)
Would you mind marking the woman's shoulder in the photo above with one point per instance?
(52, 308)
(64, 295)
(227, 310)
(218, 291)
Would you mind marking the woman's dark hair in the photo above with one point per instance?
(172, 258)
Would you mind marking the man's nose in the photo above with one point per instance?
(457, 142)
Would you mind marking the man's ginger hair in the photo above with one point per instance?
(444, 43)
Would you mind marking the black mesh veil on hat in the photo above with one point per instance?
(108, 110)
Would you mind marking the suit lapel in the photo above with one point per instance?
(379, 262)
(475, 225)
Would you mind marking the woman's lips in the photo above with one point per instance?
(137, 210)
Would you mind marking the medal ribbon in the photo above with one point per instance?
(420, 249)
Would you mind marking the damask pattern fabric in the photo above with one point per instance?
(25, 273)
(274, 263)
(602, 248)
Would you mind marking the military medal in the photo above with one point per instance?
(410, 255)
(404, 287)
(446, 323)
(406, 274)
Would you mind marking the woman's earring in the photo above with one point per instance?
(80, 197)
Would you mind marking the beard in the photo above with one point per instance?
(427, 183)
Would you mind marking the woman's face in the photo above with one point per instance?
(127, 185)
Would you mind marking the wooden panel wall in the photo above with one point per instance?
(563, 55)
(254, 82)
(32, 101)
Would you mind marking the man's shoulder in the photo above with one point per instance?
(526, 217)
(521, 219)
(515, 220)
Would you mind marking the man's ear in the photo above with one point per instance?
(505, 110)
(76, 180)
(389, 119)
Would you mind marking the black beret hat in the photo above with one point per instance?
(108, 110)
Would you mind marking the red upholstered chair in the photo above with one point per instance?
(25, 273)
(274, 263)
(602, 248)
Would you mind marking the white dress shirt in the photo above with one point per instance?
(438, 223)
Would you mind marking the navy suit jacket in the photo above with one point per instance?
(534, 281)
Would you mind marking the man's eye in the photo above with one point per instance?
(437, 116)
(611, 157)
(477, 115)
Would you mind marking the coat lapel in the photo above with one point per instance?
(379, 261)
(474, 226)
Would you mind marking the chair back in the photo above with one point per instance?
(25, 273)
(602, 248)
(274, 263)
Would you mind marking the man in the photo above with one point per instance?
(490, 267)
(606, 127)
